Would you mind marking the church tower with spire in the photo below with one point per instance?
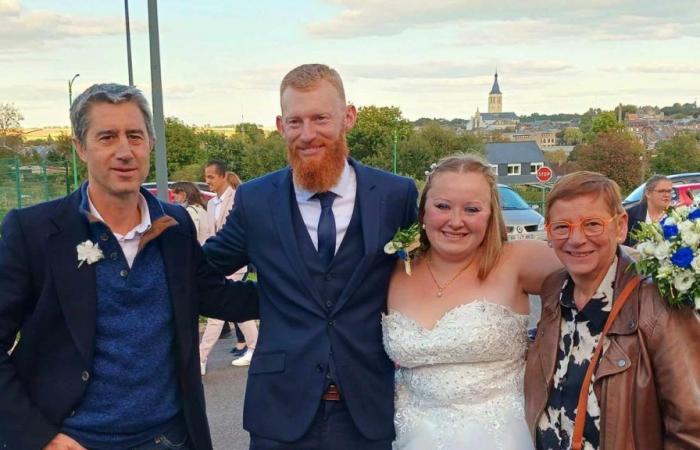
(495, 97)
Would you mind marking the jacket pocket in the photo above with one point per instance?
(269, 363)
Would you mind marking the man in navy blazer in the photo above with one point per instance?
(319, 378)
(105, 287)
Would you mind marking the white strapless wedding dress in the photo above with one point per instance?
(459, 385)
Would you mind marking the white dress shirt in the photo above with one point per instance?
(129, 242)
(218, 200)
(343, 206)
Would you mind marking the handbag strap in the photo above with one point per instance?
(581, 409)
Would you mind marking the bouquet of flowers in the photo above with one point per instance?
(669, 252)
(404, 243)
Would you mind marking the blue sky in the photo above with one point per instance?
(222, 60)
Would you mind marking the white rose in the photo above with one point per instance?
(690, 238)
(696, 265)
(683, 281)
(683, 210)
(684, 226)
(389, 248)
(663, 250)
(669, 221)
(646, 249)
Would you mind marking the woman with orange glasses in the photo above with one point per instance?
(613, 366)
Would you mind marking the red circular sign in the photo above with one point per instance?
(544, 174)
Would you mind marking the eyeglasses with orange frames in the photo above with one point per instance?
(590, 227)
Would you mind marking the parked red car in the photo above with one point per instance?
(203, 188)
(686, 194)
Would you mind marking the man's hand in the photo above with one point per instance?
(63, 442)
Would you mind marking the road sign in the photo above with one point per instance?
(544, 174)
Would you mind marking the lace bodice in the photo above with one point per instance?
(463, 377)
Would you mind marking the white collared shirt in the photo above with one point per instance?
(218, 200)
(343, 206)
(129, 242)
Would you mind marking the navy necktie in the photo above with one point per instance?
(326, 228)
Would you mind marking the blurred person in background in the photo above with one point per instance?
(189, 196)
(224, 183)
(658, 193)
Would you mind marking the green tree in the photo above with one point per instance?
(181, 143)
(555, 157)
(603, 122)
(266, 156)
(253, 132)
(572, 136)
(10, 126)
(374, 131)
(215, 145)
(426, 146)
(617, 155)
(680, 154)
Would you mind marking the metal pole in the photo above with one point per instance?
(128, 43)
(72, 146)
(17, 183)
(45, 178)
(396, 142)
(156, 85)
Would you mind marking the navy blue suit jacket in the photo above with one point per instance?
(286, 378)
(52, 303)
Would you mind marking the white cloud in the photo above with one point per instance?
(665, 68)
(510, 21)
(24, 31)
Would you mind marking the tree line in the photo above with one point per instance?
(383, 138)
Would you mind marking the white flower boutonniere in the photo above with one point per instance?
(88, 252)
(403, 244)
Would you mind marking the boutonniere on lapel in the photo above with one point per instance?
(88, 252)
(404, 243)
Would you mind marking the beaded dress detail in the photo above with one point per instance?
(460, 384)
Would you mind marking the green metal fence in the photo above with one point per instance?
(28, 183)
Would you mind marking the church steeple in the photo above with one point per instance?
(495, 96)
(495, 89)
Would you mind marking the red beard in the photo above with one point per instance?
(323, 172)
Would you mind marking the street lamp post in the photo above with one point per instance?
(72, 145)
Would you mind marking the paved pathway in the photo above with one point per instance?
(224, 387)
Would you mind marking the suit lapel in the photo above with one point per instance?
(75, 287)
(281, 209)
(371, 204)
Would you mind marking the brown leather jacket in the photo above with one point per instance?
(648, 380)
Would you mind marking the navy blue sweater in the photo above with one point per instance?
(132, 394)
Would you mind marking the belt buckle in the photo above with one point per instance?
(332, 393)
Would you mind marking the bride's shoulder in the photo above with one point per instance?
(527, 250)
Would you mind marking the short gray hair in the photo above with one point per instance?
(107, 93)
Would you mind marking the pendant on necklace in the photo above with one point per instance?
(439, 293)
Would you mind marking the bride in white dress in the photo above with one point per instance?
(457, 327)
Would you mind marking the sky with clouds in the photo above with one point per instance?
(222, 60)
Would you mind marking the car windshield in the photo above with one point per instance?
(635, 195)
(511, 200)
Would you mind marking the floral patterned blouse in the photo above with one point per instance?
(579, 335)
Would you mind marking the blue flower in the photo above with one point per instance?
(402, 254)
(695, 214)
(683, 257)
(670, 231)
